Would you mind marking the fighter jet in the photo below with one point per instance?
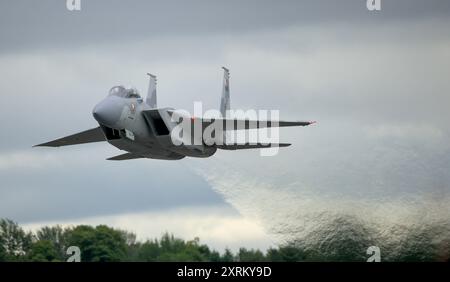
(143, 130)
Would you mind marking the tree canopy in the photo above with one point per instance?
(104, 243)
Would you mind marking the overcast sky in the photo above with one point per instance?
(376, 82)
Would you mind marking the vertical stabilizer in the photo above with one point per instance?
(151, 93)
(225, 100)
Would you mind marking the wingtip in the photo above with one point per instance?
(48, 144)
(284, 145)
(39, 145)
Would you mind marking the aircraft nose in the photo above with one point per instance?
(107, 112)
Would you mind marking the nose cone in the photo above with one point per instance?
(107, 112)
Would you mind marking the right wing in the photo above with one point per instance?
(239, 124)
(88, 136)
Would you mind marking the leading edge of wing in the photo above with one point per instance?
(87, 136)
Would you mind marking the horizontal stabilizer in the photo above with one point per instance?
(251, 146)
(88, 136)
(126, 156)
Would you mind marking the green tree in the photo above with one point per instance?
(2, 251)
(101, 243)
(250, 255)
(44, 250)
(14, 241)
(149, 251)
(288, 252)
(56, 235)
(175, 249)
(169, 248)
(214, 256)
(227, 256)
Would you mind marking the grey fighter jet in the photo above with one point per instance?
(143, 130)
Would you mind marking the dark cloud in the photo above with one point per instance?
(48, 24)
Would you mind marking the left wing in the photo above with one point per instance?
(126, 156)
(87, 136)
(251, 146)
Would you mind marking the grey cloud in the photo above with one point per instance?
(47, 24)
(74, 185)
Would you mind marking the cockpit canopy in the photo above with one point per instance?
(123, 92)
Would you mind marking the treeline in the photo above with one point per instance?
(103, 243)
(343, 239)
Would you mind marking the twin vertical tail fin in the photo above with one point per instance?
(151, 94)
(225, 101)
